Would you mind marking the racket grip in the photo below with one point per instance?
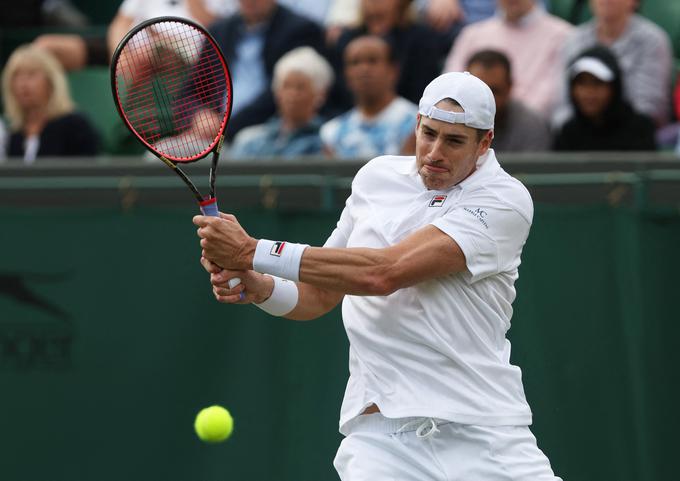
(209, 207)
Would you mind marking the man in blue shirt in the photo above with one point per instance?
(381, 122)
(253, 40)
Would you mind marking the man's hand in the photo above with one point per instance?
(225, 243)
(254, 287)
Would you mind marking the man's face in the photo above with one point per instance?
(447, 153)
(612, 9)
(514, 9)
(496, 78)
(256, 11)
(368, 69)
(591, 95)
(380, 16)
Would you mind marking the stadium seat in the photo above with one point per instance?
(568, 9)
(91, 91)
(100, 12)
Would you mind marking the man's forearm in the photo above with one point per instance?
(426, 254)
(356, 271)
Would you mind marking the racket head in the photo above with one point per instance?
(172, 88)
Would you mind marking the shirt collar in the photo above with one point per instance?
(528, 19)
(487, 167)
(407, 167)
(313, 125)
(258, 29)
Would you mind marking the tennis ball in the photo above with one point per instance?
(214, 424)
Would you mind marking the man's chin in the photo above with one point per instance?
(433, 182)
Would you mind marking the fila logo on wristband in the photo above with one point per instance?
(437, 200)
(277, 249)
(278, 258)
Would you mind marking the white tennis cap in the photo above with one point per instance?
(593, 66)
(473, 95)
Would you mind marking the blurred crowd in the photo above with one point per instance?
(342, 78)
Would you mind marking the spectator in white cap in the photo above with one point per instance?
(602, 118)
(643, 51)
(424, 259)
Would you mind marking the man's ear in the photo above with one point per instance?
(485, 143)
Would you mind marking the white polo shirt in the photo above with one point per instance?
(437, 349)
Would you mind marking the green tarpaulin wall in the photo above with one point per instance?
(111, 342)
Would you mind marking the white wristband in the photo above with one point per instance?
(283, 299)
(278, 258)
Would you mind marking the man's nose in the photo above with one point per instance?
(436, 152)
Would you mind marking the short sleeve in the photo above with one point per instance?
(343, 229)
(490, 234)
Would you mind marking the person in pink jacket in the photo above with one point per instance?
(531, 38)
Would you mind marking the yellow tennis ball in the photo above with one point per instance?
(214, 424)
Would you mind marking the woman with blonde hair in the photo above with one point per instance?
(39, 109)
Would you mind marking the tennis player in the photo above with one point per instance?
(424, 259)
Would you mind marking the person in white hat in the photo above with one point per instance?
(424, 259)
(602, 118)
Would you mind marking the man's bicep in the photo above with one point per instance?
(426, 254)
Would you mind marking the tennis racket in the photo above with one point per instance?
(172, 88)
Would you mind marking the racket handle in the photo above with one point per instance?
(209, 207)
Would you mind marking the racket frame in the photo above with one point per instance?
(217, 145)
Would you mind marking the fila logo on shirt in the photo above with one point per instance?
(437, 200)
(277, 249)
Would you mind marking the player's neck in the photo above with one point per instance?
(373, 107)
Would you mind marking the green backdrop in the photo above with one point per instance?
(110, 342)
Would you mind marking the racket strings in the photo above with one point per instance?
(173, 89)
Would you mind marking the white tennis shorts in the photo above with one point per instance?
(424, 449)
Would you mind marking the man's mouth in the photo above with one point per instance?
(435, 169)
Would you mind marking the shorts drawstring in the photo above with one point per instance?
(424, 427)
